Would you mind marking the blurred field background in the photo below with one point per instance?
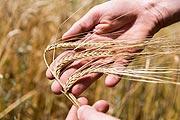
(27, 27)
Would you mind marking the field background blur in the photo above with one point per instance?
(27, 27)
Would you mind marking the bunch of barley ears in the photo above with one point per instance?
(83, 47)
(110, 50)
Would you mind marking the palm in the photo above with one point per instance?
(123, 24)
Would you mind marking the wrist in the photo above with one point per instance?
(162, 12)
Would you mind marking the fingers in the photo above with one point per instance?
(86, 112)
(56, 87)
(112, 80)
(86, 23)
(72, 115)
(84, 82)
(101, 106)
(81, 84)
(49, 74)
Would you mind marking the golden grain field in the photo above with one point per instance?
(28, 26)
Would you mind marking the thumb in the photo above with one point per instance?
(86, 23)
(86, 112)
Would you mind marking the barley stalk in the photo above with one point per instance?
(80, 55)
(137, 73)
(112, 50)
(76, 44)
(70, 96)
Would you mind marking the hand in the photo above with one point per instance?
(128, 20)
(86, 112)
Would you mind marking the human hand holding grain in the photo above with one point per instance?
(130, 21)
(118, 20)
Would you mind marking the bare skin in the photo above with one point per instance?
(97, 109)
(139, 19)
